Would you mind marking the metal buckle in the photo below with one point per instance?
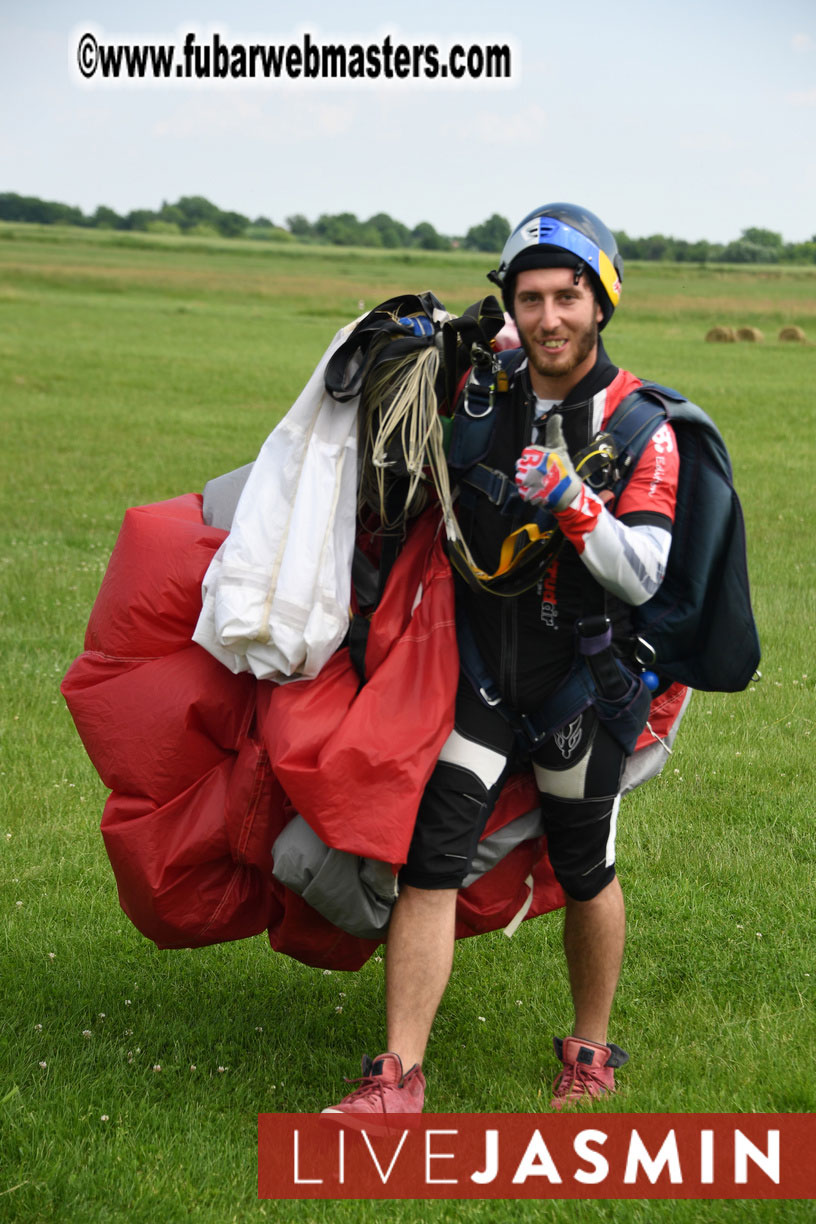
(477, 416)
(651, 658)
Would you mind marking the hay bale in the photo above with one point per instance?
(753, 334)
(792, 333)
(721, 335)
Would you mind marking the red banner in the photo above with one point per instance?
(537, 1156)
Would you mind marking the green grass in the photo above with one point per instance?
(134, 370)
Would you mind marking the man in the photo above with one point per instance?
(560, 278)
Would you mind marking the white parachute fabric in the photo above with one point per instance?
(276, 594)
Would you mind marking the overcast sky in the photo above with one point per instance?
(694, 119)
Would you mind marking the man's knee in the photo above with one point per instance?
(449, 823)
(581, 843)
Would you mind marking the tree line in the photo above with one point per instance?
(200, 217)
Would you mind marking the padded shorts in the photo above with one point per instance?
(578, 772)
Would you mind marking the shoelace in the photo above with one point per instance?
(369, 1084)
(575, 1080)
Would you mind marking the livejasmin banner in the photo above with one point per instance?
(538, 1156)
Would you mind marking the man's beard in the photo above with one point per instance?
(560, 364)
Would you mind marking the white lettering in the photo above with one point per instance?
(767, 1161)
(599, 1163)
(638, 1155)
(429, 1156)
(341, 1160)
(707, 1157)
(303, 1181)
(489, 1172)
(536, 1162)
(663, 440)
(385, 1176)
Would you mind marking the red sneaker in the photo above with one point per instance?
(384, 1088)
(589, 1070)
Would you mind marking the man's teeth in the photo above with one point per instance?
(553, 343)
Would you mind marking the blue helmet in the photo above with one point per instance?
(563, 236)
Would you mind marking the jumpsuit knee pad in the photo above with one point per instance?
(581, 843)
(451, 816)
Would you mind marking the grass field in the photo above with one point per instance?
(132, 370)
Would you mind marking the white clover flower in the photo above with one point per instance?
(86, 1033)
(43, 1065)
(104, 1118)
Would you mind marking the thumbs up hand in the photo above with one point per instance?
(544, 474)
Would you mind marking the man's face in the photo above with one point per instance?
(557, 323)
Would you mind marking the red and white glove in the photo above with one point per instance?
(545, 475)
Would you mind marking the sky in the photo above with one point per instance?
(696, 120)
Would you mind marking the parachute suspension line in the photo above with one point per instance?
(403, 436)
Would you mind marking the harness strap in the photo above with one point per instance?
(597, 678)
(500, 489)
(572, 696)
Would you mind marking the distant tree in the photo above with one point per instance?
(340, 229)
(393, 234)
(106, 218)
(139, 219)
(300, 226)
(425, 236)
(231, 224)
(491, 235)
(743, 252)
(657, 246)
(763, 238)
(15, 207)
(172, 213)
(197, 210)
(801, 252)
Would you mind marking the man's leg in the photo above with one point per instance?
(578, 773)
(452, 814)
(417, 967)
(419, 955)
(593, 943)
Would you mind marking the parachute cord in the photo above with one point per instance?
(400, 401)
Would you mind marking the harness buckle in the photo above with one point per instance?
(485, 367)
(642, 647)
(490, 397)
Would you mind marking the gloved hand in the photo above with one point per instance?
(545, 475)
